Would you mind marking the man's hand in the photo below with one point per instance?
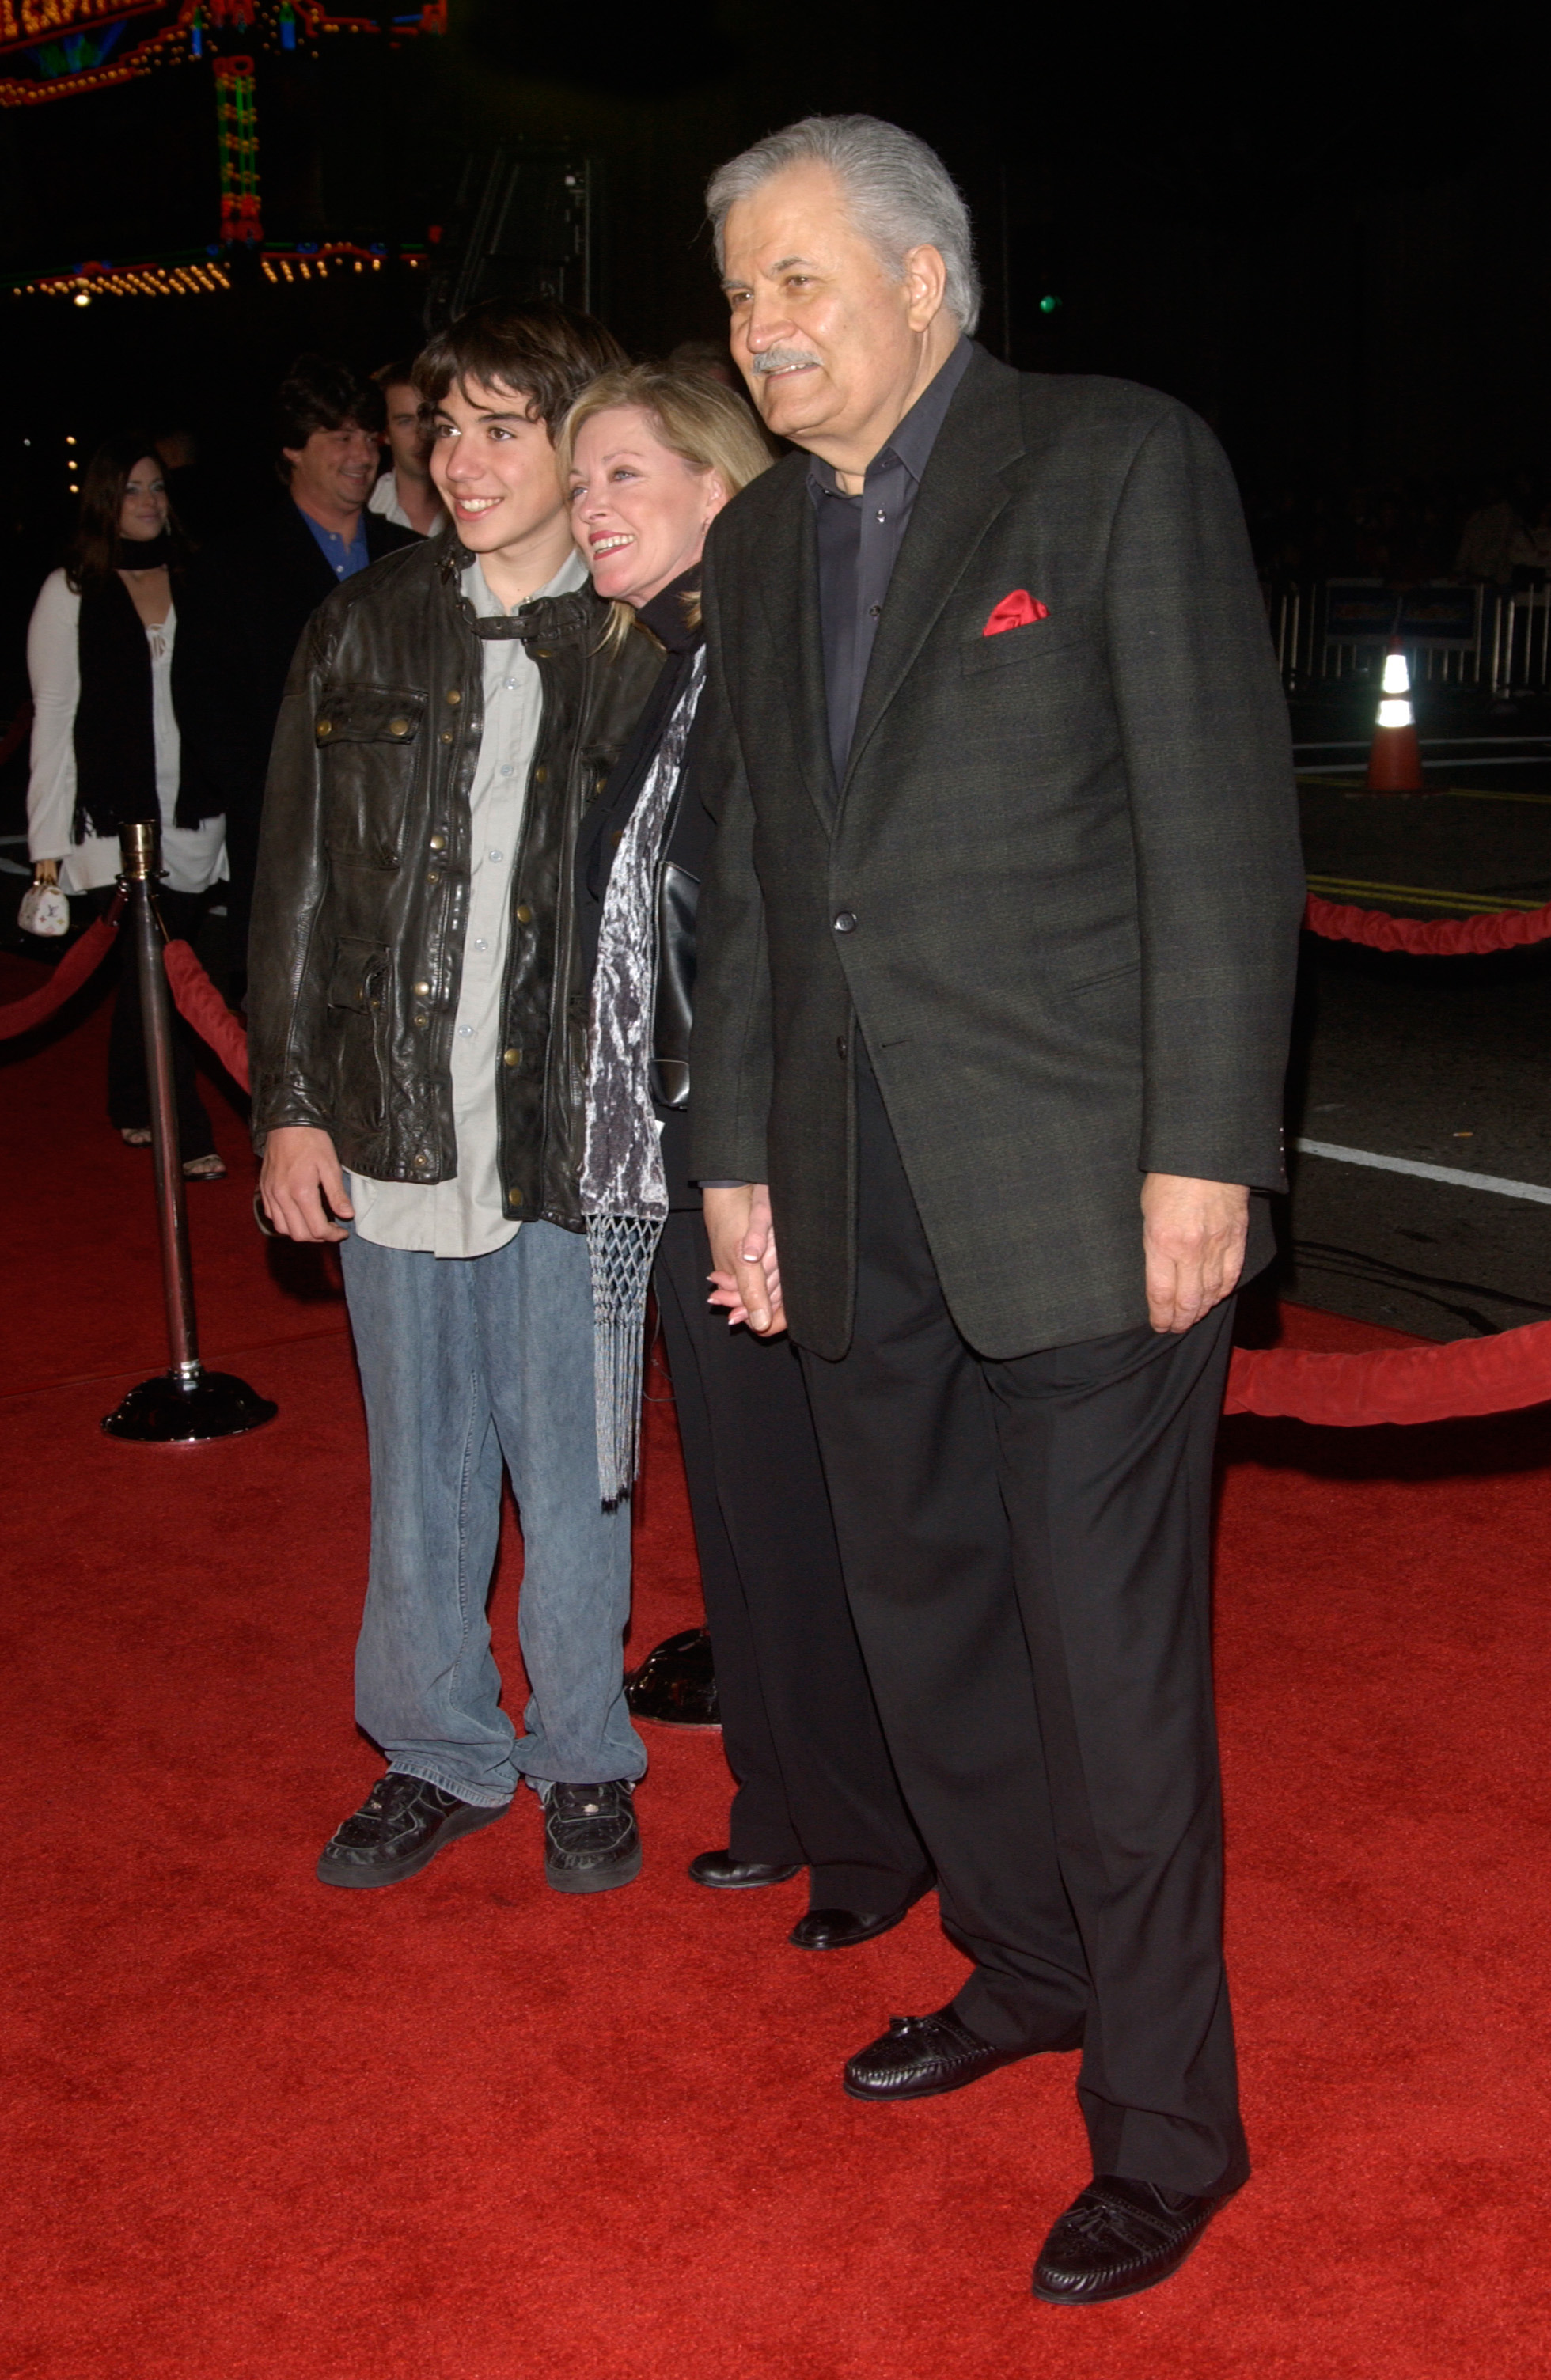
(745, 1274)
(301, 1171)
(1192, 1238)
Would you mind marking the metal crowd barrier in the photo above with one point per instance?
(1452, 634)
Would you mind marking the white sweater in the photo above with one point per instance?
(193, 858)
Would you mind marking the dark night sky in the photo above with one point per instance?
(1328, 231)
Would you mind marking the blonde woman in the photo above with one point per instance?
(650, 457)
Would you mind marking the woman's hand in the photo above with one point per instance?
(45, 871)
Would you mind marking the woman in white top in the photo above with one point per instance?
(106, 749)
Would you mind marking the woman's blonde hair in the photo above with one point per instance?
(698, 418)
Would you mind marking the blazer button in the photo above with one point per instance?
(846, 922)
(439, 843)
(841, 1047)
(525, 915)
(511, 1057)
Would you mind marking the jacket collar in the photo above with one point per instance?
(547, 616)
(962, 492)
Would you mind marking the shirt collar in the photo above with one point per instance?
(475, 588)
(912, 441)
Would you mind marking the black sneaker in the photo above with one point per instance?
(591, 1840)
(399, 1830)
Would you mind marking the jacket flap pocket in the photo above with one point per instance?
(357, 972)
(1035, 641)
(368, 714)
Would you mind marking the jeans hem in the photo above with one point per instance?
(459, 1790)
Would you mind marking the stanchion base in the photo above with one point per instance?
(170, 1411)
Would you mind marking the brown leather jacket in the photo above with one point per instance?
(362, 896)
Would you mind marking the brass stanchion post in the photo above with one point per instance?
(185, 1402)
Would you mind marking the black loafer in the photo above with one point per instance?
(591, 1840)
(920, 2055)
(399, 1830)
(841, 1929)
(725, 1874)
(1120, 2237)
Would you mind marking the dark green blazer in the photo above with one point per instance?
(1070, 851)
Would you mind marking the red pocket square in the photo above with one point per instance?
(1018, 609)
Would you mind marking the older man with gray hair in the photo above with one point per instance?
(997, 954)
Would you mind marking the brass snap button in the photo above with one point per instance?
(513, 1197)
(511, 1057)
(439, 843)
(541, 774)
(325, 727)
(399, 727)
(421, 990)
(455, 694)
(525, 915)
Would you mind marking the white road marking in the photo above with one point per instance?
(1452, 1174)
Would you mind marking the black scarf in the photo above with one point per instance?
(115, 734)
(114, 727)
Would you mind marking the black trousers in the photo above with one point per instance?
(815, 1783)
(1026, 1550)
(129, 1092)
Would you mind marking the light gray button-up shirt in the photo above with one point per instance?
(466, 1216)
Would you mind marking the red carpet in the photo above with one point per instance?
(472, 2130)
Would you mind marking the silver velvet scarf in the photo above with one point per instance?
(624, 1188)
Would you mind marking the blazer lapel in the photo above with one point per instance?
(959, 496)
(788, 582)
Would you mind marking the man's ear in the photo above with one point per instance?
(925, 277)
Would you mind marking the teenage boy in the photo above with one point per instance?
(418, 1023)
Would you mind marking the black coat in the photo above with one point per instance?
(1059, 888)
(685, 845)
(248, 597)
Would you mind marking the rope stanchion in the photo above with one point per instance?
(200, 1005)
(79, 961)
(185, 1404)
(1435, 938)
(1458, 1381)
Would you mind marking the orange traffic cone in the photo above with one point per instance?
(1395, 756)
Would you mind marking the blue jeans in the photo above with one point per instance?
(464, 1361)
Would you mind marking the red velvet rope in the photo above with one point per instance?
(1398, 1384)
(204, 1009)
(1438, 937)
(21, 1016)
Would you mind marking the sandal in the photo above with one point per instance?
(135, 1135)
(204, 1168)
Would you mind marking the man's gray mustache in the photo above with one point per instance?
(782, 358)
